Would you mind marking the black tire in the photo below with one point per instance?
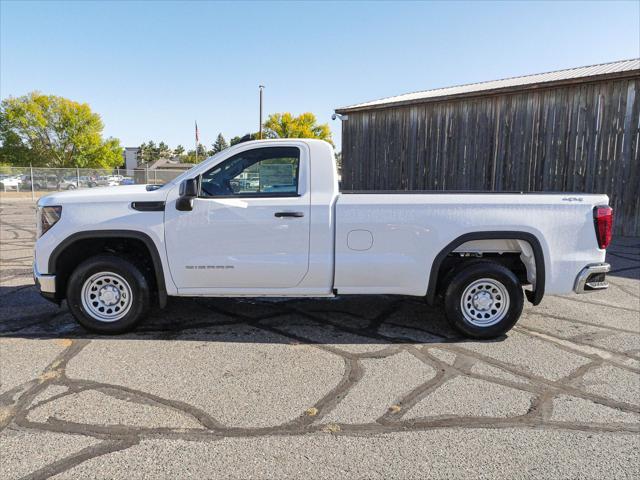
(139, 293)
(71, 187)
(484, 274)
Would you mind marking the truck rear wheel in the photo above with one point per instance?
(107, 294)
(484, 300)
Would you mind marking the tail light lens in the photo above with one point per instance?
(603, 221)
(47, 218)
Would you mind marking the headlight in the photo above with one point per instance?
(47, 218)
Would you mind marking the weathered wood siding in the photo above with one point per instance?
(580, 138)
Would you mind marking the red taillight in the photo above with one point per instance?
(603, 220)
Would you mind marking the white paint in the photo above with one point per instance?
(359, 240)
(238, 242)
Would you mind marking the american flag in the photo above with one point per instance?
(197, 134)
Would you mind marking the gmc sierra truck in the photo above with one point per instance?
(266, 218)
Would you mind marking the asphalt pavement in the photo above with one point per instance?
(355, 387)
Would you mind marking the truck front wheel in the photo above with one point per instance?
(107, 294)
(484, 300)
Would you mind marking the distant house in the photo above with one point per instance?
(569, 130)
(160, 171)
(169, 164)
(131, 157)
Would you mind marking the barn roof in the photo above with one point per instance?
(571, 75)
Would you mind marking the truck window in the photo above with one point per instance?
(261, 172)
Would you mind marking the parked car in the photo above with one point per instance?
(13, 182)
(87, 181)
(203, 234)
(68, 183)
(48, 182)
(108, 180)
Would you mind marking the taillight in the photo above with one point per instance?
(603, 221)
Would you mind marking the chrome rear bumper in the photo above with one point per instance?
(592, 278)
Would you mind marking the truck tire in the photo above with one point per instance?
(108, 294)
(484, 300)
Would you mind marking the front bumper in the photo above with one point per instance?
(592, 278)
(46, 284)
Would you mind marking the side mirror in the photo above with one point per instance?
(189, 188)
(188, 191)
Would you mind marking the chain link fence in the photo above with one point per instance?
(40, 181)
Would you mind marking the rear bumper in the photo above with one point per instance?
(46, 284)
(592, 278)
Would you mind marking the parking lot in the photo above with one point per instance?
(372, 387)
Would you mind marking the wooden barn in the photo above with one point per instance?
(574, 130)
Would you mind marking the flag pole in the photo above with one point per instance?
(261, 88)
(196, 142)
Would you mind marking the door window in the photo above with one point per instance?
(261, 172)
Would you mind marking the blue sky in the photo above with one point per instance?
(151, 68)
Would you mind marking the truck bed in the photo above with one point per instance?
(445, 192)
(384, 240)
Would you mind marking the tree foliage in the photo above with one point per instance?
(191, 156)
(219, 145)
(285, 125)
(150, 152)
(52, 131)
(178, 151)
(245, 138)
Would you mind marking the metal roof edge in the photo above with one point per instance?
(494, 91)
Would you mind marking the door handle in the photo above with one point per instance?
(289, 214)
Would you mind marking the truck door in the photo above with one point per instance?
(249, 227)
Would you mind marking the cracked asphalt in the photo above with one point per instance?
(362, 387)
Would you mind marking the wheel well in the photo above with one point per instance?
(519, 251)
(133, 249)
(455, 261)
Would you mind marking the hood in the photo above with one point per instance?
(122, 193)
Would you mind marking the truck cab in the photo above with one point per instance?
(261, 223)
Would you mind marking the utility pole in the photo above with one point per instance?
(197, 141)
(261, 87)
(33, 193)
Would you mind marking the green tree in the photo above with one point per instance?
(219, 145)
(191, 155)
(178, 151)
(245, 138)
(13, 150)
(164, 151)
(149, 152)
(285, 125)
(46, 130)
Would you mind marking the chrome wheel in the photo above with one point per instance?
(106, 296)
(484, 302)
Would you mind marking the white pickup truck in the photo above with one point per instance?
(266, 218)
